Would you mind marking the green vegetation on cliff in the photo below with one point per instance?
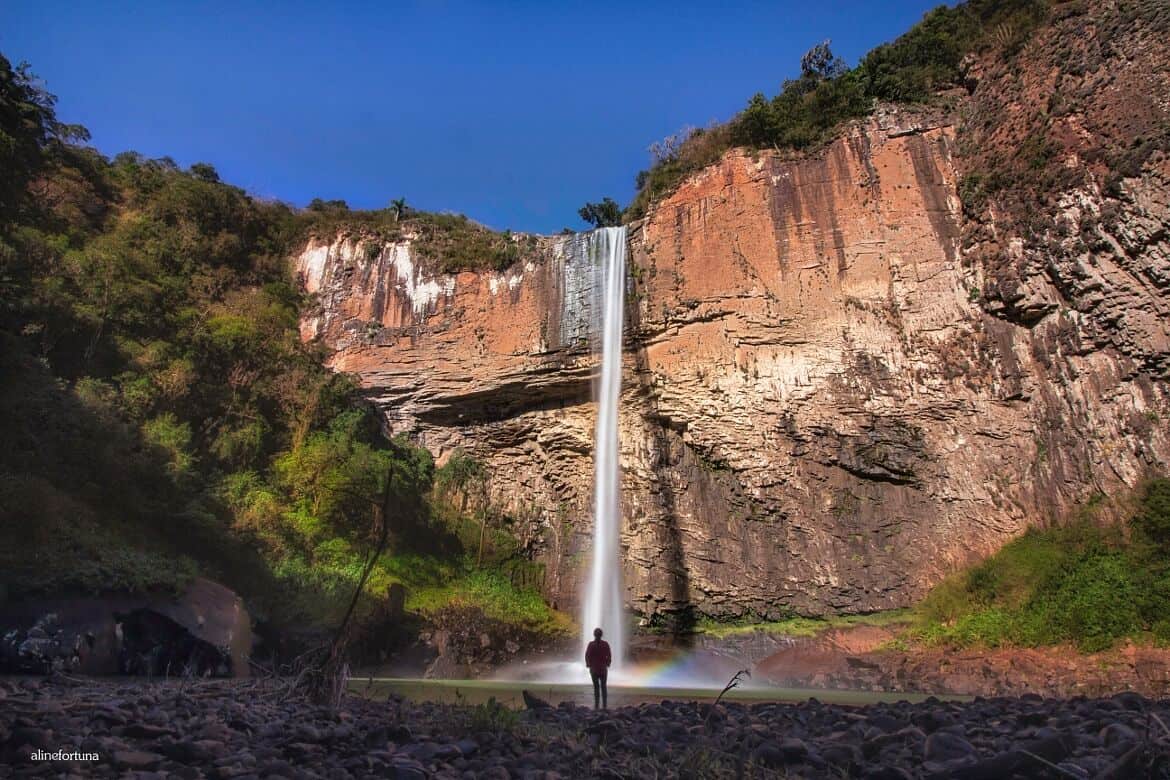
(1081, 583)
(804, 626)
(449, 242)
(162, 417)
(808, 109)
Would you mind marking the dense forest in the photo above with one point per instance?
(163, 419)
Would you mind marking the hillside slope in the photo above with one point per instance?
(162, 418)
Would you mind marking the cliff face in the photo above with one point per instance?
(838, 386)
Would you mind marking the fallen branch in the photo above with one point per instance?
(732, 683)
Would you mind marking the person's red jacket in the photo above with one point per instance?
(597, 655)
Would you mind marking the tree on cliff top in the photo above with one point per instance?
(28, 124)
(399, 207)
(607, 213)
(820, 63)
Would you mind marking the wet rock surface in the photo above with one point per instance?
(237, 729)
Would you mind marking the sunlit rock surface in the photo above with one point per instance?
(822, 410)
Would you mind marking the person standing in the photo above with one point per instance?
(598, 658)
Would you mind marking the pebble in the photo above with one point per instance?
(135, 759)
(944, 746)
(229, 730)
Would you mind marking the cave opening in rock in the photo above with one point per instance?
(154, 645)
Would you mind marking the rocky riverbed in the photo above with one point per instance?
(252, 729)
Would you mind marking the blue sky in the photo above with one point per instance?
(514, 113)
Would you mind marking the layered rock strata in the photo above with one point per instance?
(823, 410)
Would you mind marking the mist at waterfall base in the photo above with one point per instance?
(605, 250)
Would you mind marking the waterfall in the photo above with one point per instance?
(606, 249)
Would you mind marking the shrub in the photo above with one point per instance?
(173, 438)
(607, 213)
(1081, 583)
(1152, 519)
(493, 717)
(498, 599)
(1091, 604)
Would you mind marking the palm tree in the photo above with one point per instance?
(399, 206)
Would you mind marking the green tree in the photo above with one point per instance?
(316, 204)
(1152, 519)
(756, 124)
(28, 124)
(820, 63)
(466, 477)
(607, 213)
(205, 172)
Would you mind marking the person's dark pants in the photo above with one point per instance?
(599, 692)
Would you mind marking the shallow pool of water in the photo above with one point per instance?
(509, 692)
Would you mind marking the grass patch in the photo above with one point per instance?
(1083, 584)
(498, 599)
(803, 626)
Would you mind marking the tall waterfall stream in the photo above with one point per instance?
(603, 594)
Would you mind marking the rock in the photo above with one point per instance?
(1114, 733)
(534, 703)
(307, 732)
(886, 773)
(1125, 766)
(420, 751)
(376, 738)
(276, 766)
(932, 720)
(604, 728)
(994, 768)
(32, 736)
(1070, 769)
(411, 770)
(1130, 701)
(843, 756)
(871, 747)
(794, 750)
(135, 760)
(769, 755)
(400, 733)
(1052, 747)
(943, 746)
(146, 731)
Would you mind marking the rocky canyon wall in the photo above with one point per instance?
(824, 410)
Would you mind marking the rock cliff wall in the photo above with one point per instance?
(836, 389)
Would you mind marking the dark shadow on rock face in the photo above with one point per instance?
(680, 616)
(677, 618)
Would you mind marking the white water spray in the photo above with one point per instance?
(603, 599)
